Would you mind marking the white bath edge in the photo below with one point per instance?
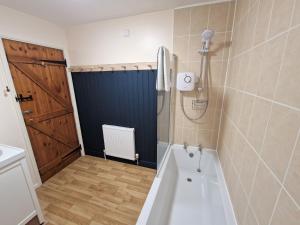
(145, 213)
(226, 189)
(150, 200)
(159, 169)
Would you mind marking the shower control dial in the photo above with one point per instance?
(187, 79)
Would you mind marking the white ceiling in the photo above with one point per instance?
(73, 12)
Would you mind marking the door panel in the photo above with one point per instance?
(39, 76)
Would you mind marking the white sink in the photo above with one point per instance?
(9, 155)
(18, 200)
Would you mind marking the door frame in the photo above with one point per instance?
(9, 82)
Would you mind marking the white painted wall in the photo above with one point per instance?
(14, 24)
(19, 26)
(103, 42)
(95, 43)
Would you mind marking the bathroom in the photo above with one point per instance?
(150, 113)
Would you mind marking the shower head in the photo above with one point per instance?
(207, 35)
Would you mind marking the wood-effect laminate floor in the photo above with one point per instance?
(92, 191)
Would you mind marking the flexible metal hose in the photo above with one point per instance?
(204, 79)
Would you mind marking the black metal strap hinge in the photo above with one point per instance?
(63, 62)
(21, 98)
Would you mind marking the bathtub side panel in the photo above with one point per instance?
(164, 199)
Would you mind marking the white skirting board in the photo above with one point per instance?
(119, 142)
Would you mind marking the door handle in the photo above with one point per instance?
(27, 112)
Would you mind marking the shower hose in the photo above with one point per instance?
(204, 79)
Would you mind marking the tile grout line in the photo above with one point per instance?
(226, 76)
(266, 99)
(261, 159)
(258, 151)
(284, 179)
(198, 61)
(243, 188)
(266, 41)
(256, 167)
(281, 64)
(229, 8)
(248, 10)
(270, 20)
(293, 13)
(256, 96)
(284, 52)
(199, 34)
(204, 4)
(275, 206)
(188, 59)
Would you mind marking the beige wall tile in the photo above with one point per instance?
(181, 48)
(270, 128)
(218, 46)
(231, 178)
(195, 46)
(264, 194)
(270, 66)
(224, 133)
(182, 21)
(189, 135)
(281, 16)
(250, 218)
(204, 138)
(179, 117)
(218, 16)
(228, 45)
(246, 109)
(230, 16)
(241, 77)
(259, 119)
(199, 19)
(178, 134)
(249, 28)
(218, 110)
(250, 163)
(233, 73)
(188, 25)
(206, 122)
(296, 18)
(214, 138)
(241, 9)
(280, 138)
(263, 19)
(217, 73)
(195, 67)
(293, 178)
(286, 212)
(182, 66)
(239, 200)
(289, 79)
(223, 156)
(219, 91)
(238, 148)
(254, 70)
(235, 111)
(229, 137)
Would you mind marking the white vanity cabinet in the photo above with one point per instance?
(18, 200)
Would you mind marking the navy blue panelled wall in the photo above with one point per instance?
(121, 98)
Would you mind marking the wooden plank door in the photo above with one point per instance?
(39, 76)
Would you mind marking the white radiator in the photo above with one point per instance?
(119, 142)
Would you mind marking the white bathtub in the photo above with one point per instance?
(203, 200)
